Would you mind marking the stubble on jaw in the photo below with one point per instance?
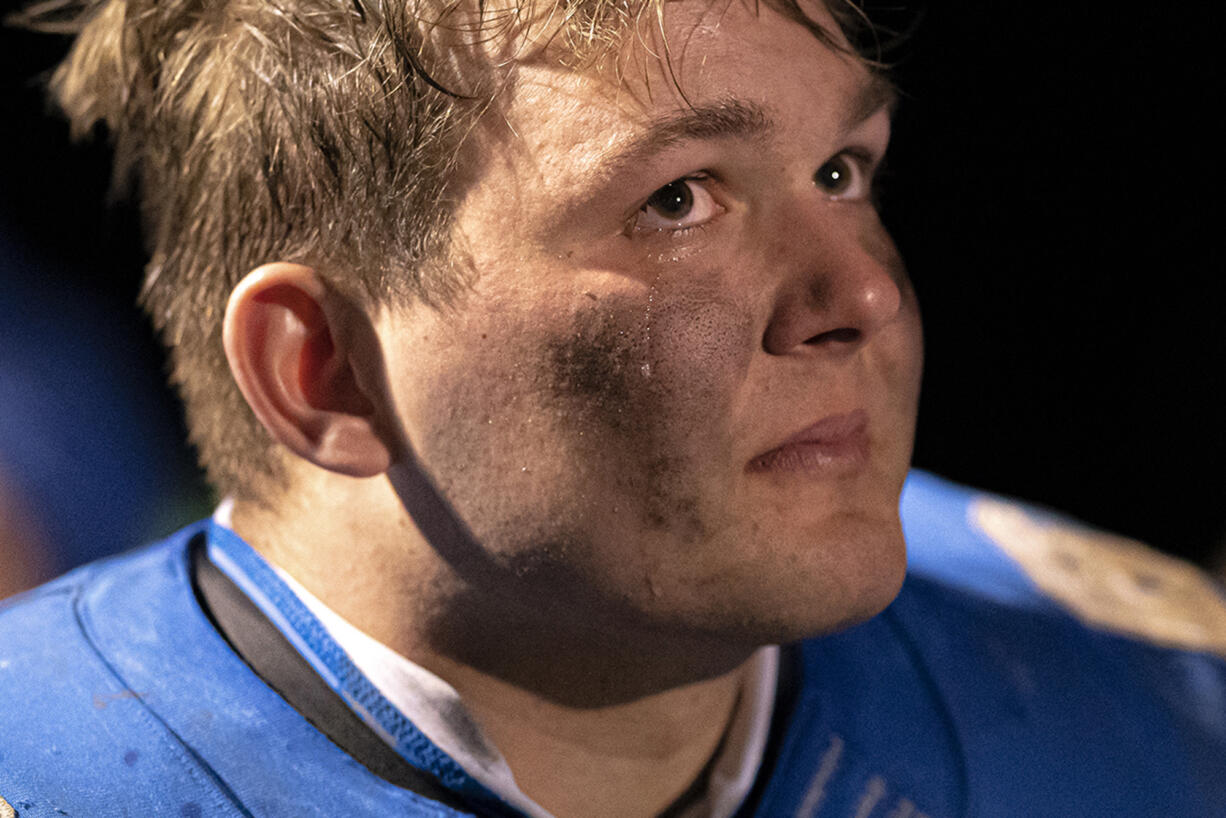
(629, 398)
(596, 431)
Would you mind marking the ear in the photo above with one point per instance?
(292, 347)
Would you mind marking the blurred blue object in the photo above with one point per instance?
(87, 442)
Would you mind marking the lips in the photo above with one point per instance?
(834, 442)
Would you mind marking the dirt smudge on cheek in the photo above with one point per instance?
(591, 366)
(650, 381)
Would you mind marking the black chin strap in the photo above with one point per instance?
(275, 660)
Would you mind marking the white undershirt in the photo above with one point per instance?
(436, 709)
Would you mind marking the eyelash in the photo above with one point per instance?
(867, 164)
(703, 179)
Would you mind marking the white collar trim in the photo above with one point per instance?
(436, 709)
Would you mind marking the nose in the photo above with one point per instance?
(843, 283)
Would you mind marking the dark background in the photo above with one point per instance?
(1055, 187)
(1058, 198)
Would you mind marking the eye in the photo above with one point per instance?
(681, 204)
(842, 177)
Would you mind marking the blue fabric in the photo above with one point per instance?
(973, 694)
(120, 699)
(260, 582)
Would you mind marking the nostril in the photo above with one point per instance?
(842, 335)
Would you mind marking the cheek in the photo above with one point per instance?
(651, 383)
(610, 408)
(702, 348)
(652, 371)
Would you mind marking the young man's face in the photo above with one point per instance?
(682, 390)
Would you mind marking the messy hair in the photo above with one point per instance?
(320, 131)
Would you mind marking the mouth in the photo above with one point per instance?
(833, 444)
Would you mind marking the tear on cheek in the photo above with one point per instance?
(654, 367)
(701, 347)
(647, 387)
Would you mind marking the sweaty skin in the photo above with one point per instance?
(651, 381)
(579, 533)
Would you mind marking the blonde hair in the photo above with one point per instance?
(319, 131)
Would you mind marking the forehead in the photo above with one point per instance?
(740, 60)
(567, 156)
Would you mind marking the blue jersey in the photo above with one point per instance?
(1027, 668)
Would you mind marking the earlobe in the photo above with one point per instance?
(289, 342)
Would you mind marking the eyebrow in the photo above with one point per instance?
(736, 119)
(877, 94)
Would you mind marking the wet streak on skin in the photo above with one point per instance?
(630, 396)
(658, 378)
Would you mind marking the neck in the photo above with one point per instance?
(628, 759)
(591, 721)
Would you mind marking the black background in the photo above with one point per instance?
(1054, 185)
(1058, 199)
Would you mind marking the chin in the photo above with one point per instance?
(790, 586)
(850, 579)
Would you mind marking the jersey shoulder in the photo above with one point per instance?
(118, 697)
(74, 738)
(1067, 661)
(1020, 555)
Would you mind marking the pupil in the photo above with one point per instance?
(673, 201)
(832, 176)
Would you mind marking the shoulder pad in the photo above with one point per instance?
(1109, 582)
